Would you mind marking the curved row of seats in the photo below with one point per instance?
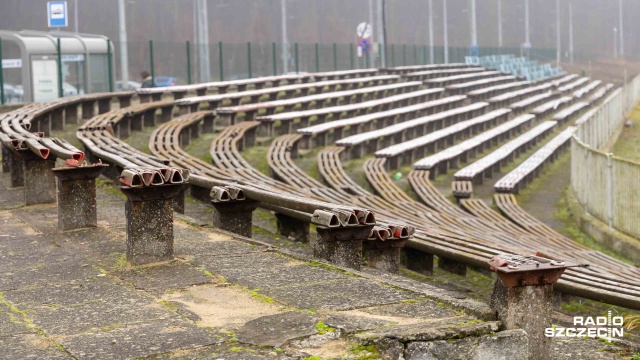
(471, 239)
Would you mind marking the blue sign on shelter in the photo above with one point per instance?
(57, 13)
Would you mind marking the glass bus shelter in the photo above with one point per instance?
(38, 67)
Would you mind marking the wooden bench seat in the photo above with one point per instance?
(564, 80)
(374, 92)
(506, 99)
(573, 85)
(376, 139)
(457, 79)
(544, 110)
(587, 89)
(214, 101)
(485, 167)
(464, 88)
(529, 169)
(325, 133)
(462, 189)
(404, 103)
(488, 92)
(414, 68)
(569, 112)
(431, 74)
(408, 151)
(178, 92)
(531, 102)
(600, 93)
(450, 158)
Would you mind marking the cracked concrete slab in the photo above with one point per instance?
(276, 330)
(266, 270)
(138, 340)
(99, 314)
(223, 307)
(164, 277)
(341, 294)
(12, 324)
(31, 347)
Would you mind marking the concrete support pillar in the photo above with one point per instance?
(178, 202)
(6, 162)
(17, 170)
(452, 266)
(104, 106)
(234, 216)
(88, 109)
(383, 255)
(39, 181)
(149, 213)
(77, 196)
(341, 246)
(57, 119)
(523, 298)
(419, 261)
(71, 114)
(293, 228)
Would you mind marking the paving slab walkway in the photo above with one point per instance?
(72, 295)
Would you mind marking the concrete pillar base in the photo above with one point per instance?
(383, 255)
(17, 170)
(39, 181)
(234, 216)
(293, 228)
(77, 196)
(341, 246)
(6, 167)
(452, 266)
(528, 308)
(149, 212)
(419, 261)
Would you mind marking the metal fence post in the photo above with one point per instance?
(249, 59)
(404, 54)
(188, 62)
(1, 76)
(220, 60)
(58, 49)
(415, 54)
(351, 54)
(393, 56)
(317, 58)
(110, 65)
(297, 63)
(153, 75)
(335, 57)
(275, 64)
(424, 58)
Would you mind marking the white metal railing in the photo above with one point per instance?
(607, 186)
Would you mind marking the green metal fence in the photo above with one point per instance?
(233, 61)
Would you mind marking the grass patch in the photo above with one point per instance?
(256, 156)
(140, 139)
(324, 328)
(256, 295)
(307, 161)
(199, 147)
(628, 146)
(368, 352)
(573, 231)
